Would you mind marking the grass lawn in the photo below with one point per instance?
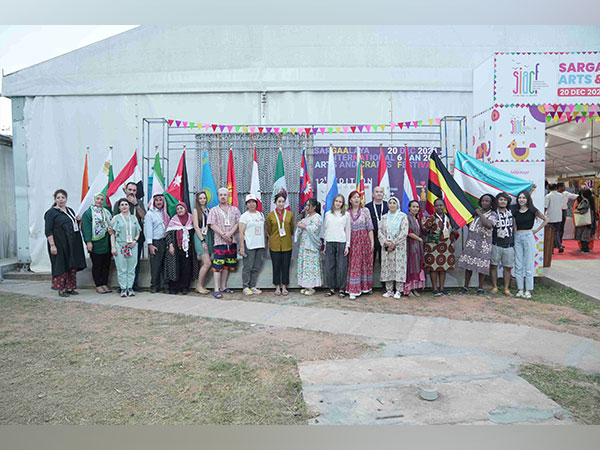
(575, 391)
(75, 363)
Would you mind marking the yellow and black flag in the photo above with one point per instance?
(442, 185)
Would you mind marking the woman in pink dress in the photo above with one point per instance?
(360, 255)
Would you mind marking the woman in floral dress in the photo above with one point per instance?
(477, 251)
(439, 247)
(393, 229)
(362, 243)
(308, 234)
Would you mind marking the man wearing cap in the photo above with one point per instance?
(252, 244)
(223, 219)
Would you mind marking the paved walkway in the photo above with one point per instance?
(508, 340)
(581, 275)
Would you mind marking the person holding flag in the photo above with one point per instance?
(377, 209)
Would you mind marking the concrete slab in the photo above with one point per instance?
(575, 274)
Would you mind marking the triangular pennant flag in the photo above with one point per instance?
(314, 130)
(552, 113)
(200, 126)
(437, 121)
(300, 131)
(229, 128)
(322, 130)
(269, 130)
(171, 122)
(185, 124)
(382, 126)
(192, 125)
(252, 129)
(260, 130)
(407, 124)
(178, 122)
(583, 113)
(206, 126)
(360, 128)
(400, 124)
(430, 121)
(575, 113)
(276, 130)
(337, 129)
(293, 130)
(345, 129)
(330, 129)
(578, 107)
(307, 130)
(415, 123)
(284, 130)
(368, 127)
(221, 127)
(585, 108)
(237, 128)
(420, 122)
(353, 129)
(393, 125)
(214, 127)
(245, 129)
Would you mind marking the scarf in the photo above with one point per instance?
(100, 219)
(394, 220)
(163, 211)
(182, 226)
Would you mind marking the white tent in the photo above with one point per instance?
(97, 96)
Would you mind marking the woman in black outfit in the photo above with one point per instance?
(65, 246)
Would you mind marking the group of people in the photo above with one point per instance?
(351, 236)
(585, 215)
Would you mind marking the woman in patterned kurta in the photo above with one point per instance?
(415, 274)
(393, 230)
(439, 247)
(309, 263)
(478, 247)
(362, 242)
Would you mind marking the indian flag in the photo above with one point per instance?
(477, 178)
(279, 184)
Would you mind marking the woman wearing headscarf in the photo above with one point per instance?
(65, 246)
(393, 229)
(586, 219)
(181, 262)
(95, 227)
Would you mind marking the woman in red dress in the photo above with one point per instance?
(360, 255)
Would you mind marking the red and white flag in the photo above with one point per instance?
(383, 178)
(255, 182)
(129, 173)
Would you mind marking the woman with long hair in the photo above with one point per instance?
(477, 252)
(525, 213)
(124, 243)
(362, 244)
(415, 274)
(203, 239)
(393, 229)
(65, 247)
(280, 228)
(336, 233)
(586, 219)
(181, 260)
(309, 244)
(95, 227)
(439, 246)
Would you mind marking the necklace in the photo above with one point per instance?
(354, 219)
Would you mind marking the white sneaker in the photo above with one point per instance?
(256, 291)
(398, 294)
(519, 294)
(352, 297)
(388, 294)
(247, 291)
(527, 295)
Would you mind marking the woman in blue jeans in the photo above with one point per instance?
(525, 214)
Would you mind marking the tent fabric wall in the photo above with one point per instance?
(8, 236)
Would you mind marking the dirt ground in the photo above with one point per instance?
(70, 362)
(551, 308)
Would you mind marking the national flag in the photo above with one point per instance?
(332, 187)
(306, 191)
(279, 184)
(231, 183)
(85, 185)
(360, 178)
(158, 186)
(178, 190)
(208, 182)
(383, 178)
(442, 185)
(129, 173)
(100, 184)
(477, 178)
(255, 182)
(409, 191)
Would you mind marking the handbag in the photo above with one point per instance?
(583, 219)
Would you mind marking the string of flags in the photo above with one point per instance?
(567, 113)
(216, 128)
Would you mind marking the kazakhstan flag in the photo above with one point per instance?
(208, 182)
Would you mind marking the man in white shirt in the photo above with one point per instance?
(155, 221)
(553, 206)
(566, 197)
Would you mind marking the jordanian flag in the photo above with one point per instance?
(442, 185)
(477, 178)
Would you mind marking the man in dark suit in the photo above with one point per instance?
(378, 207)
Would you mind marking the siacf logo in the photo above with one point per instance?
(525, 78)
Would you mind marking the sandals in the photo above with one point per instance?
(341, 294)
(277, 291)
(228, 291)
(480, 291)
(202, 290)
(217, 294)
(507, 293)
(284, 292)
(494, 291)
(464, 290)
(330, 293)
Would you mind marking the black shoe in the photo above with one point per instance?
(172, 292)
(444, 292)
(464, 290)
(153, 290)
(561, 250)
(63, 294)
(73, 292)
(437, 293)
(185, 291)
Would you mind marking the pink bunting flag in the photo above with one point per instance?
(322, 130)
(206, 126)
(438, 121)
(415, 123)
(185, 124)
(393, 125)
(345, 129)
(368, 127)
(229, 128)
(276, 130)
(252, 129)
